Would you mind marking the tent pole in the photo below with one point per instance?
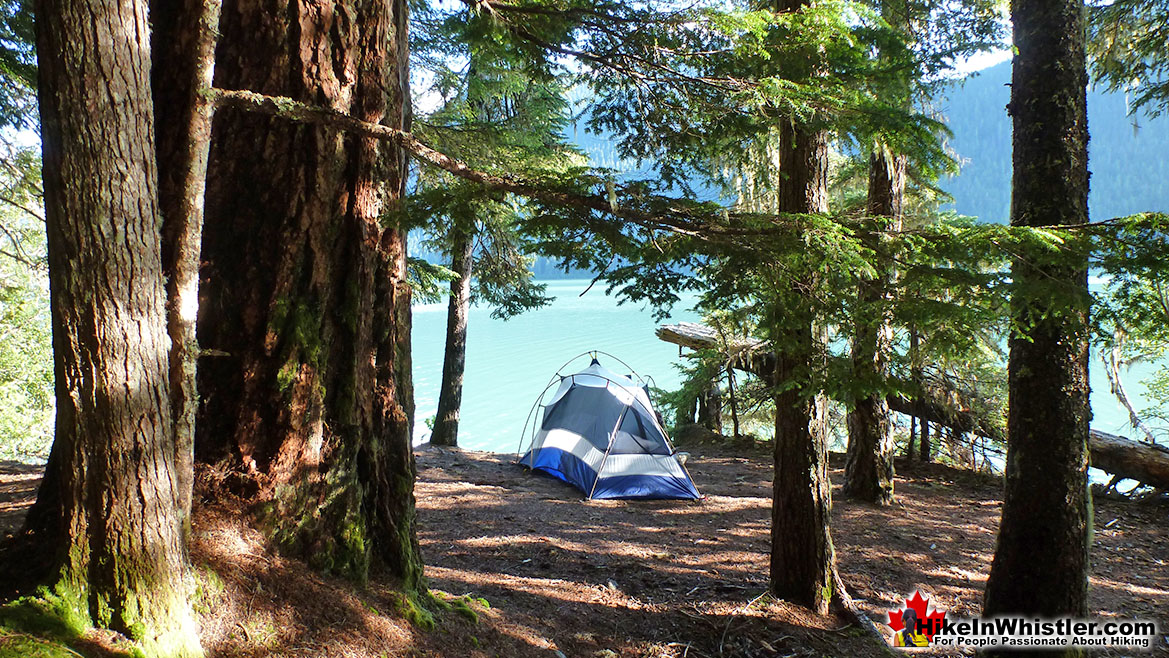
(535, 405)
(601, 468)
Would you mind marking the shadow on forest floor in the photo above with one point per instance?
(18, 490)
(635, 576)
(602, 579)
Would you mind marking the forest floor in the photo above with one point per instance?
(547, 574)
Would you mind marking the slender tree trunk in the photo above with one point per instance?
(450, 395)
(915, 374)
(868, 473)
(803, 560)
(734, 402)
(183, 51)
(1046, 501)
(909, 451)
(684, 414)
(305, 289)
(108, 510)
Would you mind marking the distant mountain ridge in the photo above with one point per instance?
(1128, 156)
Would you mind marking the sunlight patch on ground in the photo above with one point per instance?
(1140, 590)
(556, 589)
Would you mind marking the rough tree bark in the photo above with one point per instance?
(108, 510)
(868, 473)
(450, 395)
(305, 290)
(1046, 505)
(803, 561)
(183, 54)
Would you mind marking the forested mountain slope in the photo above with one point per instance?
(1127, 155)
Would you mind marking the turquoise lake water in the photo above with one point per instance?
(509, 363)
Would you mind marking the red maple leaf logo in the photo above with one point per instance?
(931, 621)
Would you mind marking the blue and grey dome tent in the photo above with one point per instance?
(600, 433)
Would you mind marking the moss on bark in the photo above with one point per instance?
(1046, 501)
(306, 290)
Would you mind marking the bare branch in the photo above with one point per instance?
(22, 207)
(19, 258)
(20, 255)
(1112, 362)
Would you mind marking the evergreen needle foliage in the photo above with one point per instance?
(1127, 48)
(26, 359)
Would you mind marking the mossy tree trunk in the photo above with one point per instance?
(803, 561)
(1040, 564)
(450, 394)
(109, 508)
(868, 473)
(305, 296)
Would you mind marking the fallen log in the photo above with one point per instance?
(1143, 462)
(956, 419)
(1115, 454)
(747, 354)
(945, 407)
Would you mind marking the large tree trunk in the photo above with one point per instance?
(803, 561)
(108, 510)
(868, 473)
(1046, 506)
(305, 296)
(450, 395)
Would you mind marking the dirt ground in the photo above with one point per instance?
(548, 574)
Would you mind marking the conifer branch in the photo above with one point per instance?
(671, 216)
(653, 212)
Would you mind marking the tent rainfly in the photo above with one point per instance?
(600, 434)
